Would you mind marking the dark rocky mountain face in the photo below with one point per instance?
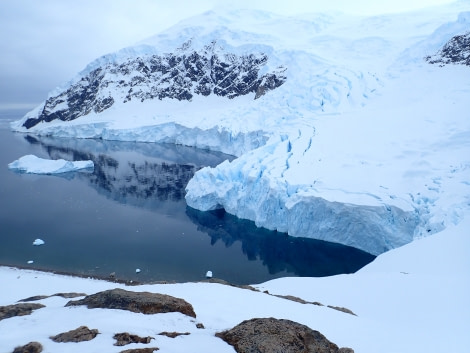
(455, 51)
(179, 75)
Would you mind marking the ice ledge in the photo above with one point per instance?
(283, 186)
(215, 138)
(374, 229)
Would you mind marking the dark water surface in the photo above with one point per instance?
(130, 213)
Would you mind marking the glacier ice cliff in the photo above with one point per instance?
(254, 187)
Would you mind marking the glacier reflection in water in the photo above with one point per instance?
(130, 213)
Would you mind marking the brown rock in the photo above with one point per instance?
(340, 308)
(80, 334)
(63, 295)
(173, 334)
(276, 335)
(32, 299)
(18, 310)
(69, 295)
(221, 281)
(31, 347)
(125, 338)
(293, 298)
(140, 350)
(138, 302)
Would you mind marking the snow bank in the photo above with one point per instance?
(35, 165)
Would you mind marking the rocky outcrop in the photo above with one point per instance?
(179, 75)
(277, 335)
(137, 302)
(173, 334)
(80, 334)
(18, 310)
(455, 51)
(63, 295)
(141, 350)
(31, 347)
(126, 338)
(296, 299)
(342, 309)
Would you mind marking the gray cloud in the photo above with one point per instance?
(45, 43)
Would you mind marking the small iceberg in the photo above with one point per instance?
(32, 164)
(38, 242)
(209, 274)
(137, 270)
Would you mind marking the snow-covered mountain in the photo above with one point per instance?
(179, 75)
(342, 129)
(455, 51)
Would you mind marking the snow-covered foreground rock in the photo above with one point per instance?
(343, 130)
(35, 165)
(411, 299)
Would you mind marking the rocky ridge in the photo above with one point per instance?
(179, 75)
(455, 51)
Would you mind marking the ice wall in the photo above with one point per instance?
(256, 186)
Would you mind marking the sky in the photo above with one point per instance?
(45, 43)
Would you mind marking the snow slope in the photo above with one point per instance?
(411, 299)
(364, 143)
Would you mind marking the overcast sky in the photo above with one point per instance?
(44, 43)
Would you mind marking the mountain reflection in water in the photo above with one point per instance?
(171, 244)
(131, 172)
(278, 251)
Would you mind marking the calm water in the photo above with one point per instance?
(130, 213)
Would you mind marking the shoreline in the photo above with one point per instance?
(85, 276)
(123, 281)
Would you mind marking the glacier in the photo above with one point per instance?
(367, 152)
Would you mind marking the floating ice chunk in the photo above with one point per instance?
(137, 270)
(38, 242)
(209, 274)
(30, 262)
(35, 165)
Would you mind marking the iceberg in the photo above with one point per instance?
(32, 164)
